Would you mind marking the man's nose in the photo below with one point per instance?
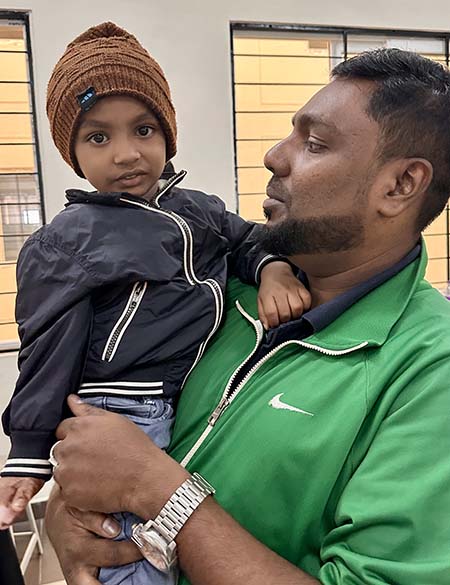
(126, 153)
(276, 160)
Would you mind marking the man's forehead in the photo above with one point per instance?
(340, 106)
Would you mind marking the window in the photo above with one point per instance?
(276, 69)
(21, 207)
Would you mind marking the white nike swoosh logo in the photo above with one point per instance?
(276, 403)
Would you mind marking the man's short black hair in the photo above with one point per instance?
(411, 104)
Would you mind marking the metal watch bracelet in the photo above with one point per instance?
(183, 502)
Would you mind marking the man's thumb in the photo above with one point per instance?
(80, 408)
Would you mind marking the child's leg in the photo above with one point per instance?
(155, 417)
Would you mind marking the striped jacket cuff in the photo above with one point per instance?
(267, 260)
(27, 467)
(121, 388)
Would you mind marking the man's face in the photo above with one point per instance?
(322, 173)
(120, 147)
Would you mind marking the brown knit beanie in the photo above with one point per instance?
(105, 60)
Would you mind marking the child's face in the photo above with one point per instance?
(120, 147)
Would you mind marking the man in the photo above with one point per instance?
(327, 439)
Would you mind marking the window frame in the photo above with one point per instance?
(23, 17)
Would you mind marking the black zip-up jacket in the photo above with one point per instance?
(118, 296)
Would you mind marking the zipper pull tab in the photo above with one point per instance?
(217, 412)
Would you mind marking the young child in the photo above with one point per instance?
(119, 295)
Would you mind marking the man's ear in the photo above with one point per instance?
(407, 181)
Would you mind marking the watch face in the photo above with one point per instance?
(157, 551)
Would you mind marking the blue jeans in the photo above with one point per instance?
(155, 417)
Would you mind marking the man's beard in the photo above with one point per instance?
(313, 235)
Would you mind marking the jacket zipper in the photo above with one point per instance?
(223, 403)
(136, 296)
(229, 395)
(188, 263)
(124, 321)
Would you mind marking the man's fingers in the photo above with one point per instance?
(80, 408)
(98, 523)
(85, 579)
(114, 553)
(81, 576)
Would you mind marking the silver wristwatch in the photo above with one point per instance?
(156, 538)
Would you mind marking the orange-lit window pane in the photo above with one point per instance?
(20, 200)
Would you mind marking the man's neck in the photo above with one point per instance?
(332, 274)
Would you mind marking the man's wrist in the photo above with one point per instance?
(153, 490)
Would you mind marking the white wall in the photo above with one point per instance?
(190, 39)
(8, 374)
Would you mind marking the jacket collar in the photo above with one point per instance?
(116, 198)
(372, 318)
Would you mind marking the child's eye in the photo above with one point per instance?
(97, 138)
(145, 130)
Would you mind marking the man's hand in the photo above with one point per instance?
(281, 296)
(108, 464)
(15, 493)
(80, 552)
(100, 457)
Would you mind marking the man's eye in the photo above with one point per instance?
(145, 130)
(314, 146)
(98, 138)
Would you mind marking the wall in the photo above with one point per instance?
(191, 41)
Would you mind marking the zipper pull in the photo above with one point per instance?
(217, 412)
(139, 288)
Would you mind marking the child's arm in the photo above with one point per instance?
(281, 296)
(15, 493)
(246, 256)
(54, 313)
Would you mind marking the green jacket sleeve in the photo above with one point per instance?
(393, 517)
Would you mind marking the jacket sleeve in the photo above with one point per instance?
(54, 313)
(392, 520)
(246, 254)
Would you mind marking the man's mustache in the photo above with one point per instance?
(276, 190)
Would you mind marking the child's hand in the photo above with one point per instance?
(281, 297)
(15, 493)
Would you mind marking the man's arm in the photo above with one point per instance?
(247, 258)
(80, 560)
(390, 522)
(213, 548)
(392, 519)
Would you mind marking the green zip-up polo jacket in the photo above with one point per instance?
(334, 451)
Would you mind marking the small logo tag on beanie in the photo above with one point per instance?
(87, 99)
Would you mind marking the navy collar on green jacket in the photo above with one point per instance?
(321, 317)
(372, 317)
